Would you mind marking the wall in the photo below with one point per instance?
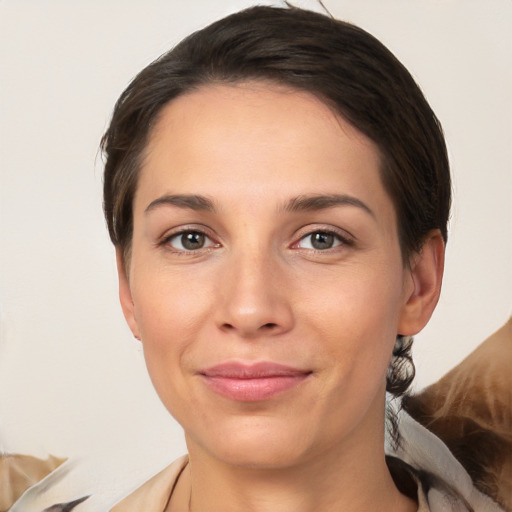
(72, 380)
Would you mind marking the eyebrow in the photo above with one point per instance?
(302, 203)
(191, 202)
(322, 202)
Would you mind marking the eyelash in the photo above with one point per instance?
(342, 240)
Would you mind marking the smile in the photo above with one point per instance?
(252, 382)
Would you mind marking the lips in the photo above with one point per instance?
(252, 382)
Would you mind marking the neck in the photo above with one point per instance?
(297, 491)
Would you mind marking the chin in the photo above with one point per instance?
(271, 455)
(256, 443)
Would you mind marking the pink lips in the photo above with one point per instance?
(252, 382)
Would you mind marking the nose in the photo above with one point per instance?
(254, 299)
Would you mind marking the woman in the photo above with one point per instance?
(85, 262)
(277, 189)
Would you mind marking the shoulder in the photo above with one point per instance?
(442, 483)
(154, 494)
(456, 433)
(469, 410)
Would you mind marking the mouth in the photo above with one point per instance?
(252, 382)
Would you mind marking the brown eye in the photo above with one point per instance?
(192, 241)
(322, 240)
(189, 241)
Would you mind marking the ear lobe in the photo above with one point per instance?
(125, 294)
(426, 271)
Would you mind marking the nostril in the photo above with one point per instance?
(269, 326)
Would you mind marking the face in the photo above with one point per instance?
(266, 280)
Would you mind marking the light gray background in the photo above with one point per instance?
(72, 379)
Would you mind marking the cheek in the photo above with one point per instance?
(357, 314)
(170, 311)
(167, 303)
(170, 316)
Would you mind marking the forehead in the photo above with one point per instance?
(250, 138)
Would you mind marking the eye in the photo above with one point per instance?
(189, 241)
(320, 241)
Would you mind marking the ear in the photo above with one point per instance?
(125, 294)
(426, 275)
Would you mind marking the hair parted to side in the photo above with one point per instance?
(342, 65)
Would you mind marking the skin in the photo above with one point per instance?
(259, 291)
